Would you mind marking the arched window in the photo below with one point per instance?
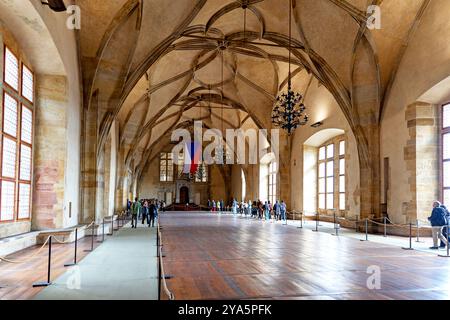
(166, 167)
(16, 139)
(268, 182)
(331, 184)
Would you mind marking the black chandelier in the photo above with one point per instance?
(289, 111)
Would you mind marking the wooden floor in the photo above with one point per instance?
(17, 279)
(213, 257)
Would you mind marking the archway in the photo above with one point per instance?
(184, 195)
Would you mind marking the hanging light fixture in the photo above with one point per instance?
(289, 111)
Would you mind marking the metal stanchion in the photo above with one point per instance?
(410, 238)
(112, 226)
(385, 221)
(92, 239)
(103, 231)
(301, 221)
(317, 223)
(367, 230)
(448, 250)
(418, 231)
(336, 226)
(48, 282)
(75, 255)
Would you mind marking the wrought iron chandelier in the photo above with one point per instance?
(289, 111)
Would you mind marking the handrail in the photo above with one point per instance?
(162, 275)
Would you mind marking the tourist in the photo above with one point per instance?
(249, 208)
(218, 206)
(145, 212)
(260, 210)
(152, 214)
(245, 208)
(128, 207)
(277, 210)
(437, 219)
(271, 216)
(283, 211)
(234, 208)
(209, 205)
(266, 211)
(135, 210)
(221, 204)
(213, 206)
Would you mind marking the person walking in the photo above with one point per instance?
(234, 209)
(277, 210)
(135, 210)
(283, 211)
(145, 212)
(152, 214)
(218, 206)
(438, 220)
(213, 206)
(266, 211)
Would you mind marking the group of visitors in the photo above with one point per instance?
(439, 220)
(256, 209)
(145, 210)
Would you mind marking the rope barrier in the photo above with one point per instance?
(4, 259)
(162, 275)
(29, 258)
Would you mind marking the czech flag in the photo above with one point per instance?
(193, 154)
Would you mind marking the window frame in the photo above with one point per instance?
(336, 175)
(166, 165)
(19, 75)
(443, 131)
(272, 175)
(344, 175)
(22, 64)
(22, 103)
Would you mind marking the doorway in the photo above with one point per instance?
(184, 195)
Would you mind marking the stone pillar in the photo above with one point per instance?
(89, 163)
(421, 155)
(50, 151)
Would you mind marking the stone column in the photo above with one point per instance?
(421, 155)
(50, 151)
(89, 163)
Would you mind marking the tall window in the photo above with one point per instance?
(331, 176)
(273, 182)
(202, 173)
(326, 177)
(446, 153)
(342, 204)
(17, 139)
(166, 167)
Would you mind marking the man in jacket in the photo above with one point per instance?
(438, 220)
(135, 210)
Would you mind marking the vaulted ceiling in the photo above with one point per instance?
(154, 65)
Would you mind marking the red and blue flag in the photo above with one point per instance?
(192, 158)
